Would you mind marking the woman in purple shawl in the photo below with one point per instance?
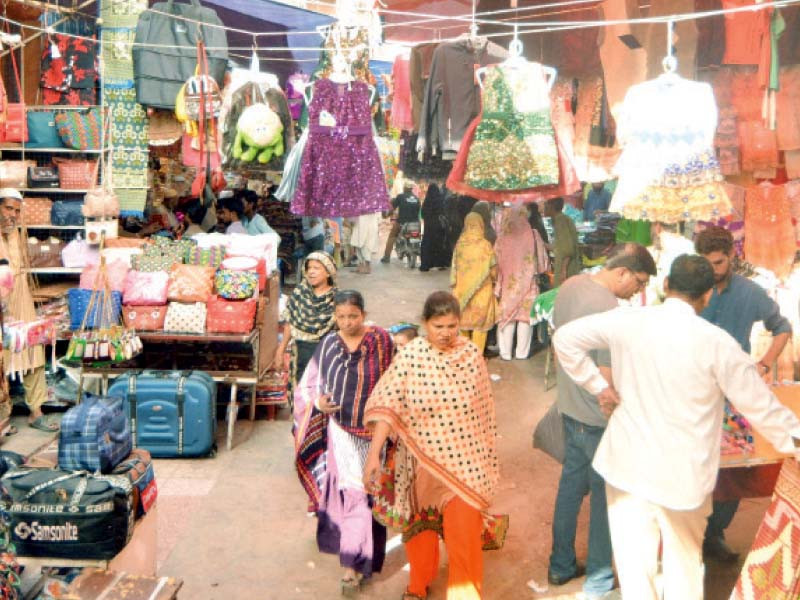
(331, 441)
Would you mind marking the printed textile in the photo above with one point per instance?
(668, 170)
(441, 407)
(341, 173)
(471, 276)
(70, 75)
(514, 145)
(768, 217)
(772, 567)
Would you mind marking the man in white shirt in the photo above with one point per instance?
(660, 452)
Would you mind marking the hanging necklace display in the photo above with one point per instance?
(101, 340)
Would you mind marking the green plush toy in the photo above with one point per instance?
(259, 135)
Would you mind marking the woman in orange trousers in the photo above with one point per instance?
(435, 405)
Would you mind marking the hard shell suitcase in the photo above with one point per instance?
(172, 413)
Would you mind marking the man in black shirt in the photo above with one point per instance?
(407, 206)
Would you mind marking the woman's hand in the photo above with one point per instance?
(372, 470)
(325, 405)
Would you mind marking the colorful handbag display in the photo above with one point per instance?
(14, 173)
(190, 283)
(14, 127)
(150, 264)
(36, 211)
(77, 254)
(211, 257)
(42, 132)
(185, 318)
(236, 285)
(76, 174)
(116, 271)
(66, 212)
(84, 313)
(79, 129)
(231, 316)
(145, 289)
(247, 263)
(144, 318)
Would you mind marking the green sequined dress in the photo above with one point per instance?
(514, 147)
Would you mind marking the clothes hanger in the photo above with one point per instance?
(670, 63)
(516, 60)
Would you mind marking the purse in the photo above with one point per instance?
(42, 132)
(100, 229)
(149, 264)
(231, 316)
(66, 212)
(85, 313)
(15, 126)
(116, 272)
(144, 318)
(77, 254)
(45, 254)
(145, 289)
(247, 263)
(14, 173)
(548, 436)
(42, 177)
(185, 318)
(36, 211)
(236, 285)
(211, 257)
(190, 283)
(76, 174)
(102, 201)
(79, 129)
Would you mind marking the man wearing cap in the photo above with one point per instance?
(20, 307)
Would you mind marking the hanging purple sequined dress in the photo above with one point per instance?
(341, 173)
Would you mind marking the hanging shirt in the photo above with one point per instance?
(672, 370)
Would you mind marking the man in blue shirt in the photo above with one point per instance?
(736, 304)
(598, 199)
(253, 222)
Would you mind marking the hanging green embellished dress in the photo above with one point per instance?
(514, 146)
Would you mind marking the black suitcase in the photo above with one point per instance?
(68, 515)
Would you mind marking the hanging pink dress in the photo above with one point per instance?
(401, 117)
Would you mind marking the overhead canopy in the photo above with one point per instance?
(290, 22)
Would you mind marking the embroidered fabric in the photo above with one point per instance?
(768, 217)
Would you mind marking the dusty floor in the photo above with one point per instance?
(235, 527)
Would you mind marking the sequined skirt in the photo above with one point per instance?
(513, 151)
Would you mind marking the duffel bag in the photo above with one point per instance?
(138, 468)
(94, 436)
(165, 56)
(69, 515)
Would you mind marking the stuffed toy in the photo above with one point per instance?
(259, 135)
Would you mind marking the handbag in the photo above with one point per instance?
(548, 436)
(190, 283)
(42, 177)
(15, 126)
(45, 254)
(211, 257)
(66, 212)
(101, 229)
(42, 132)
(102, 201)
(145, 289)
(79, 129)
(185, 318)
(163, 56)
(231, 316)
(14, 173)
(95, 435)
(116, 271)
(144, 318)
(247, 263)
(86, 313)
(77, 254)
(236, 285)
(36, 211)
(76, 174)
(149, 264)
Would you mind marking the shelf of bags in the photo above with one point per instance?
(54, 227)
(44, 190)
(55, 270)
(18, 147)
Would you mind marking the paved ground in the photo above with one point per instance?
(235, 527)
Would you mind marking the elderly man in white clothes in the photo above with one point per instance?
(660, 453)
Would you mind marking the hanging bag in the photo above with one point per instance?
(163, 58)
(15, 126)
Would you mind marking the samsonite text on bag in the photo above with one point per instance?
(94, 435)
(165, 54)
(71, 515)
(172, 413)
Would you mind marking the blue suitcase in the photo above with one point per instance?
(172, 413)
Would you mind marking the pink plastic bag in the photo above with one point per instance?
(145, 289)
(116, 271)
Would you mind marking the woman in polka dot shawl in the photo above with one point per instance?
(436, 407)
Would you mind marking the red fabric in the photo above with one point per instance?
(745, 33)
(746, 482)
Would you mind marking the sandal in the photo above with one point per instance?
(351, 587)
(11, 430)
(42, 424)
